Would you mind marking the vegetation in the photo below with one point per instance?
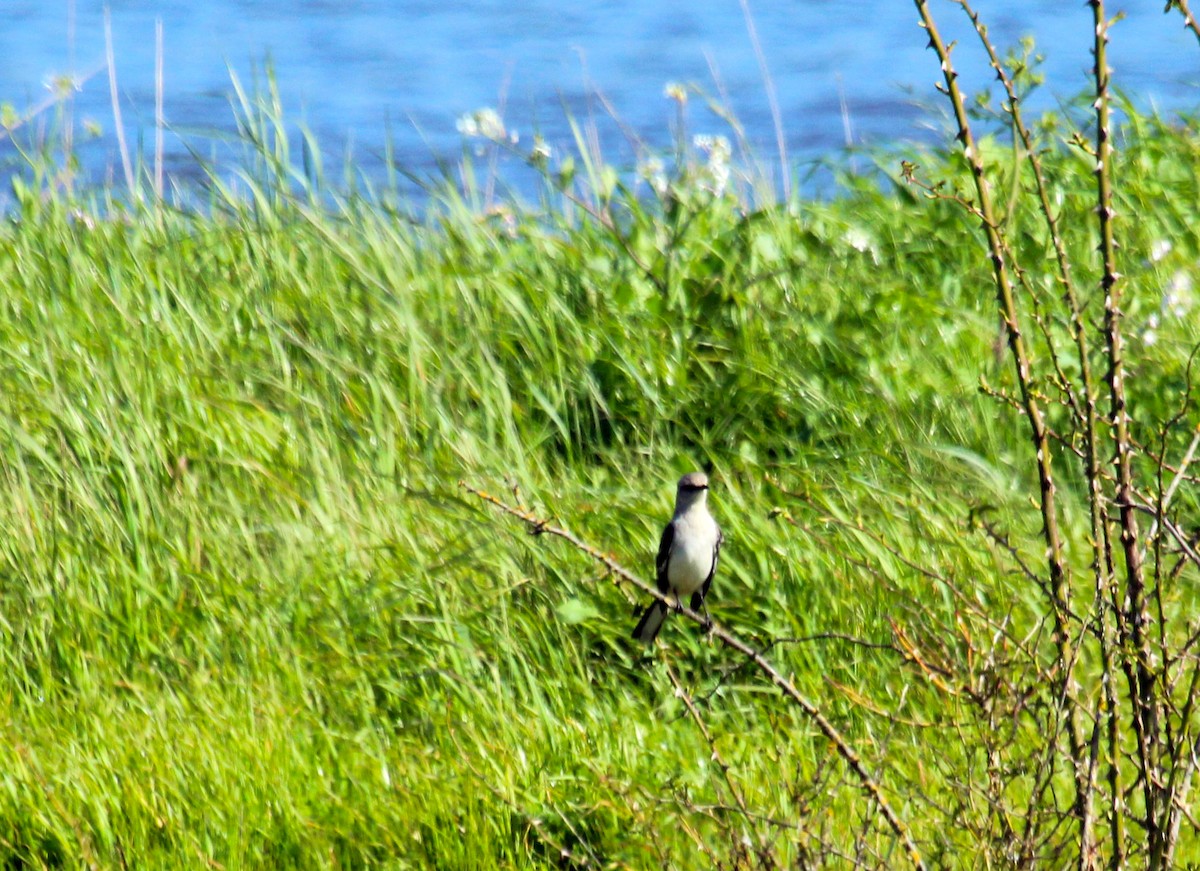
(251, 618)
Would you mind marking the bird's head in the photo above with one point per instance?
(693, 488)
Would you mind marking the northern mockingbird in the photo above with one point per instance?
(687, 555)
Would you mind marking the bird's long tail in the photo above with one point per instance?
(652, 620)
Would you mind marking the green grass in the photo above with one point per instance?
(248, 618)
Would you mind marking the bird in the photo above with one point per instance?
(687, 555)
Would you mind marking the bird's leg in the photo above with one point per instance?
(708, 623)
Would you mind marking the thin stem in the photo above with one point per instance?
(772, 101)
(730, 783)
(159, 122)
(116, 101)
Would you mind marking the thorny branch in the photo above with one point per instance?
(1141, 732)
(1059, 579)
(542, 526)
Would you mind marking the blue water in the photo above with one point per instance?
(361, 72)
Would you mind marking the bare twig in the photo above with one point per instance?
(1189, 20)
(541, 526)
(730, 783)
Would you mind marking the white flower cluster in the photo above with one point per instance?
(654, 172)
(719, 152)
(860, 240)
(1177, 298)
(485, 123)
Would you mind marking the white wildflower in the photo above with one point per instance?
(719, 151)
(1150, 334)
(62, 84)
(541, 150)
(655, 174)
(1159, 249)
(482, 123)
(860, 240)
(857, 238)
(677, 92)
(1177, 297)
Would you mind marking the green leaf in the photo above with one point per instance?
(574, 611)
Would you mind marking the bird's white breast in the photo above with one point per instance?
(692, 552)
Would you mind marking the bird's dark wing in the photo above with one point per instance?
(652, 620)
(656, 612)
(698, 596)
(664, 557)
